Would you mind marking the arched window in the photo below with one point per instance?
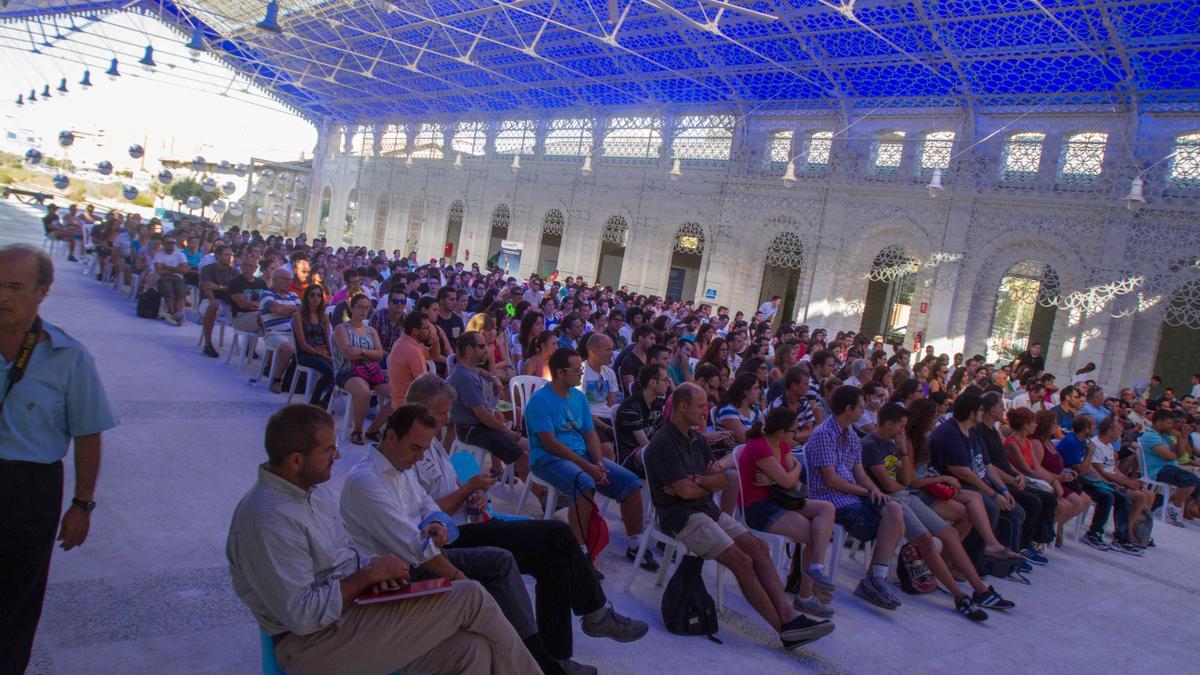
(820, 146)
(501, 217)
(1082, 157)
(469, 139)
(516, 137)
(571, 137)
(887, 153)
(1022, 156)
(935, 151)
(616, 231)
(395, 141)
(382, 209)
(360, 141)
(779, 149)
(1185, 163)
(553, 222)
(633, 138)
(430, 142)
(689, 238)
(703, 138)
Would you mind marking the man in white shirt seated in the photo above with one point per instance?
(1032, 396)
(387, 511)
(293, 566)
(544, 549)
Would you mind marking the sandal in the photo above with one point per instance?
(373, 436)
(356, 437)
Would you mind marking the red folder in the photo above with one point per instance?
(411, 590)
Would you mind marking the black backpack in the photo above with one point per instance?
(148, 303)
(687, 608)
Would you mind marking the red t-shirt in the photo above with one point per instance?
(748, 466)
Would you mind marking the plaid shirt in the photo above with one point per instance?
(830, 445)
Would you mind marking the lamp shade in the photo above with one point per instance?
(113, 71)
(147, 59)
(87, 79)
(270, 21)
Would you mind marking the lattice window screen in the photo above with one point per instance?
(936, 150)
(1185, 163)
(779, 150)
(571, 137)
(616, 231)
(689, 238)
(887, 153)
(820, 146)
(633, 138)
(470, 138)
(1082, 158)
(553, 223)
(516, 137)
(430, 141)
(704, 138)
(1022, 157)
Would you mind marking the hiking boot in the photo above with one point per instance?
(615, 627)
(969, 609)
(211, 352)
(992, 600)
(1096, 541)
(1034, 557)
(813, 607)
(575, 668)
(875, 593)
(648, 562)
(72, 258)
(803, 630)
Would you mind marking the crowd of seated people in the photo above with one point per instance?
(951, 466)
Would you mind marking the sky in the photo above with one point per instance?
(185, 107)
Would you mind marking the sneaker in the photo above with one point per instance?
(813, 607)
(1096, 541)
(803, 630)
(1025, 566)
(1126, 547)
(575, 668)
(1174, 518)
(648, 562)
(72, 258)
(969, 609)
(822, 584)
(875, 593)
(1034, 557)
(211, 352)
(615, 627)
(992, 600)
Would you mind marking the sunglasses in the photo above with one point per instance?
(398, 301)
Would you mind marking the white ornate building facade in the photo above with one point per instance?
(695, 207)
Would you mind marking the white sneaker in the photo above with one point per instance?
(1175, 518)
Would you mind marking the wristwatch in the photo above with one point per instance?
(87, 507)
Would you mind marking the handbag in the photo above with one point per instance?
(786, 498)
(941, 491)
(369, 371)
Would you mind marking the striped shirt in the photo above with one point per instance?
(277, 323)
(287, 553)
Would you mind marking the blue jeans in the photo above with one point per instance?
(566, 476)
(860, 520)
(324, 368)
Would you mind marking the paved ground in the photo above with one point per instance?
(150, 593)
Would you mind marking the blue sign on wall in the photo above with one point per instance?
(710, 294)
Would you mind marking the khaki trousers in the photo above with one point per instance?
(462, 631)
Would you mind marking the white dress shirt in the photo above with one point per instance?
(288, 552)
(383, 508)
(437, 477)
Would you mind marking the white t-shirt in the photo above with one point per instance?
(175, 259)
(597, 387)
(1196, 390)
(1102, 455)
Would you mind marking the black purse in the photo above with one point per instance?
(791, 499)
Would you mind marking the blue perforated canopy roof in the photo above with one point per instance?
(359, 61)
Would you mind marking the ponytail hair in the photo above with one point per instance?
(776, 420)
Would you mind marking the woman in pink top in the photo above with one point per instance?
(767, 460)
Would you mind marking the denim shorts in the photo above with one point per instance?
(1182, 478)
(860, 520)
(565, 475)
(762, 515)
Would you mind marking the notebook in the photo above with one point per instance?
(411, 590)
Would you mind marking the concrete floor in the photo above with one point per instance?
(149, 592)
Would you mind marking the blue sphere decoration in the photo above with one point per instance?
(199, 163)
(33, 156)
(61, 182)
(129, 192)
(105, 167)
(136, 151)
(66, 139)
(165, 177)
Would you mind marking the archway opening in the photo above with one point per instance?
(1177, 356)
(454, 223)
(351, 216)
(1026, 304)
(323, 218)
(687, 257)
(782, 271)
(891, 284)
(613, 239)
(548, 250)
(383, 208)
(499, 232)
(416, 216)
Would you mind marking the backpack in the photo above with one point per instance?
(1144, 528)
(1001, 568)
(147, 304)
(687, 608)
(915, 577)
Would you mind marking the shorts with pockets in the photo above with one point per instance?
(566, 476)
(709, 538)
(860, 520)
(919, 519)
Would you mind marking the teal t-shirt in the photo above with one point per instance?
(1149, 439)
(568, 418)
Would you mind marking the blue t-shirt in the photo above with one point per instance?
(1148, 440)
(1071, 449)
(567, 417)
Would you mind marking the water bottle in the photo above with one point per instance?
(474, 515)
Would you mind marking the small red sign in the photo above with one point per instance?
(924, 307)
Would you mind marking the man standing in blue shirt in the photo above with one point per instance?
(51, 394)
(565, 452)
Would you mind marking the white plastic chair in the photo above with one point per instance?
(248, 343)
(310, 382)
(520, 389)
(1165, 489)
